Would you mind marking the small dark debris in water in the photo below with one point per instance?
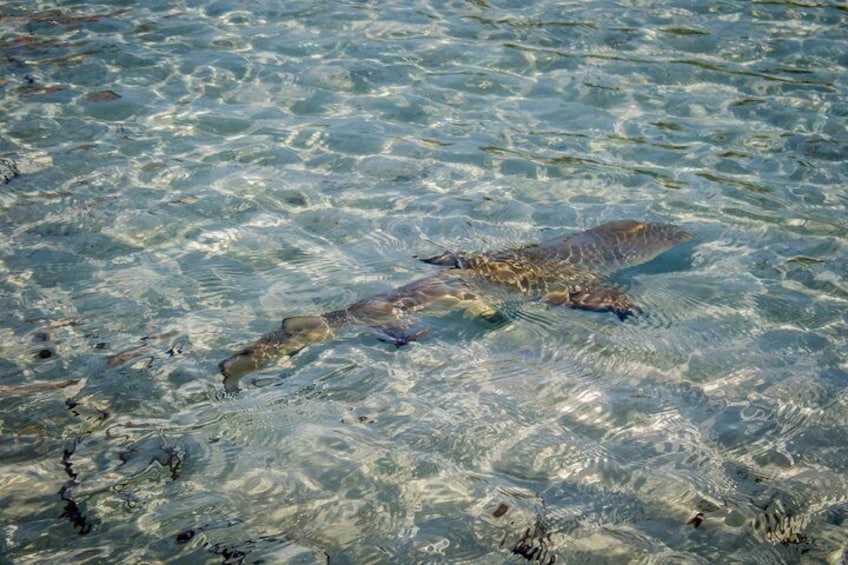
(361, 419)
(805, 260)
(185, 536)
(294, 198)
(101, 345)
(174, 462)
(683, 31)
(696, 520)
(45, 354)
(102, 96)
(41, 336)
(500, 510)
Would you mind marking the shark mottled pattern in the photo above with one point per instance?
(565, 271)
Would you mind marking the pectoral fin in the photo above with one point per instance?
(595, 298)
(400, 335)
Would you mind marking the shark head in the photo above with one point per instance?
(616, 245)
(295, 334)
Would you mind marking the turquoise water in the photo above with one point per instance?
(176, 177)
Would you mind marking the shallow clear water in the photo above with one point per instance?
(177, 177)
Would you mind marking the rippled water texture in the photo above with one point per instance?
(176, 177)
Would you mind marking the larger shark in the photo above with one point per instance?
(565, 271)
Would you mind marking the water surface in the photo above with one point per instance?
(175, 177)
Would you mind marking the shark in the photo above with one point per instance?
(571, 271)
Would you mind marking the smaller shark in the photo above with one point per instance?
(564, 271)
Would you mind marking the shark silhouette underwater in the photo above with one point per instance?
(568, 271)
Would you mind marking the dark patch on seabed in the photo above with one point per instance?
(239, 553)
(76, 512)
(535, 544)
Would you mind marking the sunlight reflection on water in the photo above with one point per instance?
(176, 178)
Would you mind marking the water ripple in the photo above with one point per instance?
(173, 182)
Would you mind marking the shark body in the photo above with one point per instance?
(564, 271)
